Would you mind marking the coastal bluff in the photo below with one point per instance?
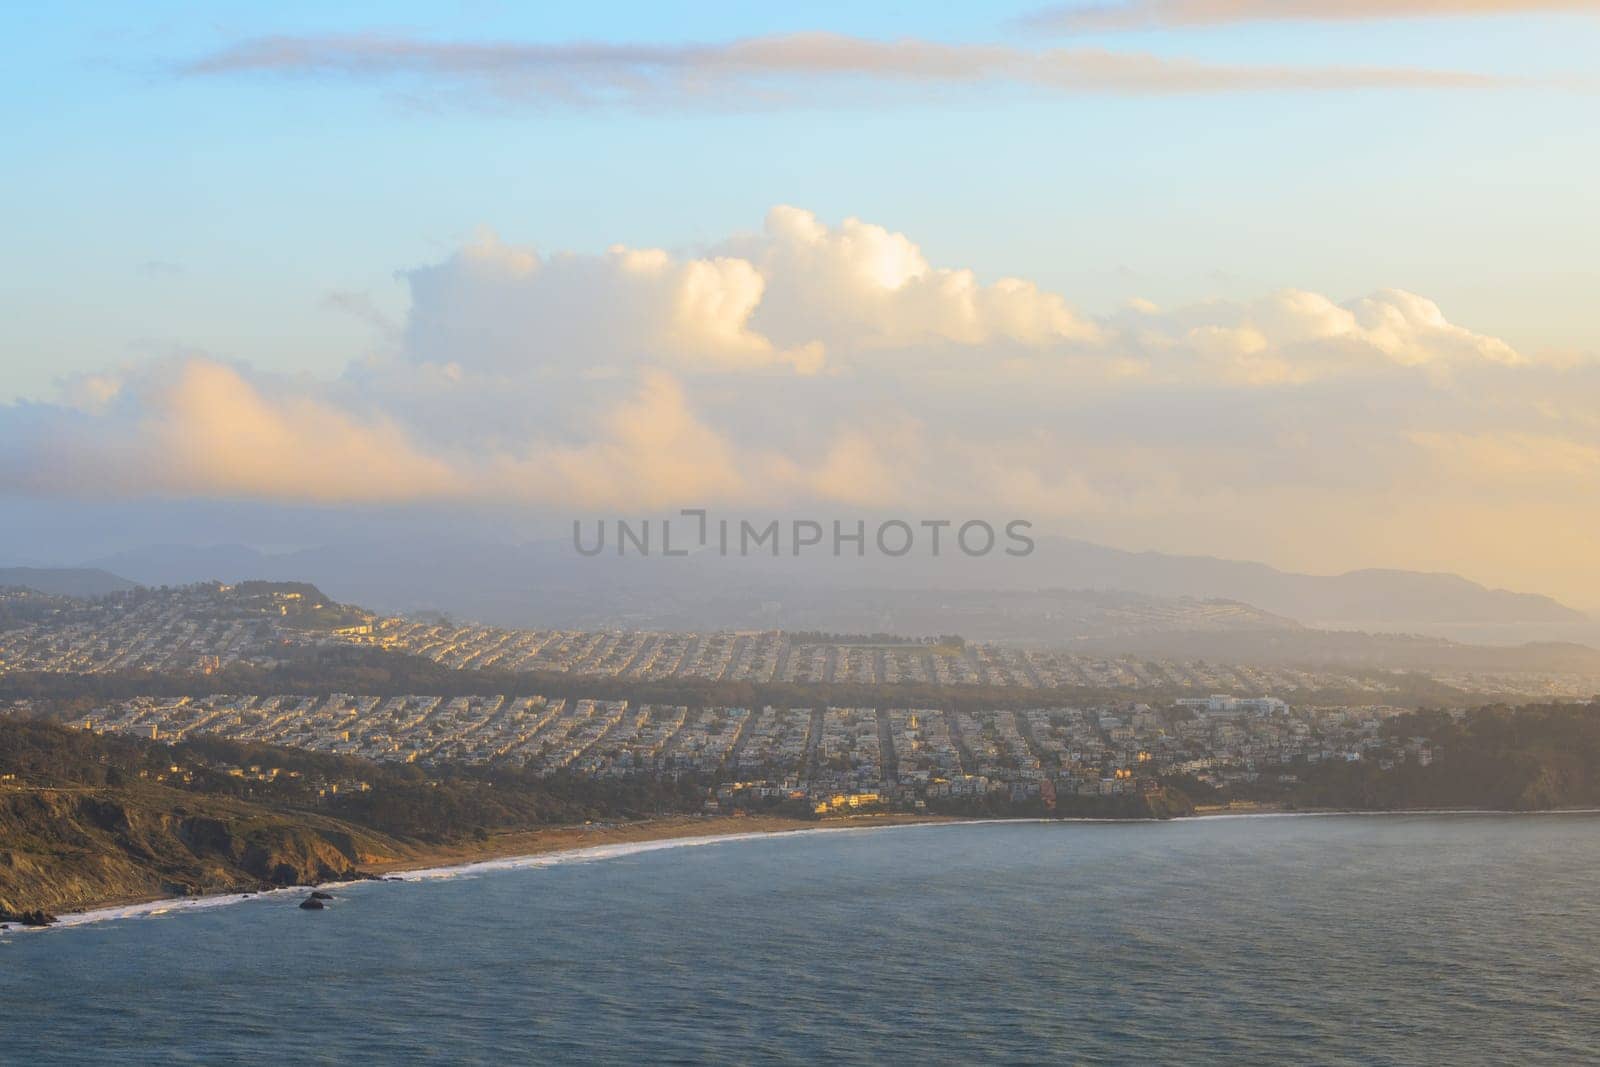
(68, 849)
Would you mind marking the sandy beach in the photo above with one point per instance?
(598, 834)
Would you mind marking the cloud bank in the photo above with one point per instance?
(832, 367)
(772, 71)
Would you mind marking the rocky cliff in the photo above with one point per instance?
(67, 849)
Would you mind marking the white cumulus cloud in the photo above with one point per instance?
(809, 364)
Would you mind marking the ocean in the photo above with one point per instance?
(1341, 939)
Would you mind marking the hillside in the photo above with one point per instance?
(65, 849)
(79, 582)
(88, 820)
(1531, 758)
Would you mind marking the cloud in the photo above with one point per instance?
(802, 360)
(861, 285)
(782, 299)
(867, 465)
(1297, 336)
(493, 305)
(772, 71)
(833, 368)
(652, 452)
(1184, 14)
(200, 428)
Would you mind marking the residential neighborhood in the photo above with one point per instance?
(207, 628)
(825, 756)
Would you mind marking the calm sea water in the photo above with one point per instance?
(1440, 939)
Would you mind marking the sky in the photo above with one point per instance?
(1293, 280)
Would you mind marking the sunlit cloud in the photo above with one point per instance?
(809, 364)
(196, 427)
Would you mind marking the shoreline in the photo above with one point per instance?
(524, 846)
(595, 842)
(531, 843)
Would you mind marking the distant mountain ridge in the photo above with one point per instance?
(1394, 599)
(66, 581)
(545, 582)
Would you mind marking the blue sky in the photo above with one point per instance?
(150, 212)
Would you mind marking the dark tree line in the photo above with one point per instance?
(404, 800)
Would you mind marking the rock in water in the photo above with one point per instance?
(312, 904)
(36, 917)
(317, 894)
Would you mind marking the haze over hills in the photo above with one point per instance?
(548, 584)
(1110, 625)
(1363, 599)
(65, 581)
